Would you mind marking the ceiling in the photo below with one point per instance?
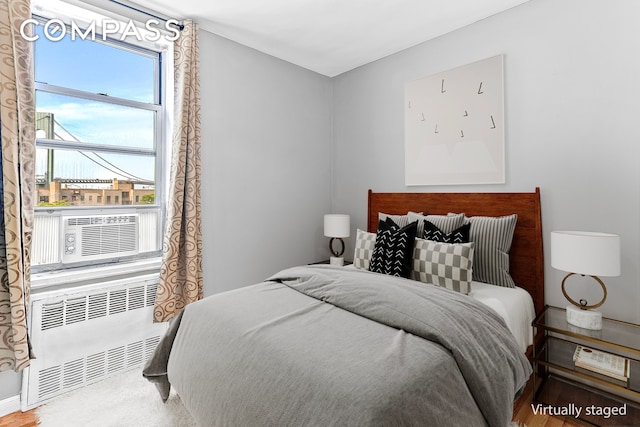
(330, 36)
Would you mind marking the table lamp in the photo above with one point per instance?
(588, 254)
(336, 226)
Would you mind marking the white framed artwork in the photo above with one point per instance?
(454, 126)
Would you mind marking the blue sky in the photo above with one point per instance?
(95, 67)
(98, 68)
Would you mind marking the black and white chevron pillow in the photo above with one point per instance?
(393, 249)
(459, 235)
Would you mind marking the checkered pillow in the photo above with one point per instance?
(365, 243)
(443, 264)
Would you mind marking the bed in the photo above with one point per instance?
(326, 345)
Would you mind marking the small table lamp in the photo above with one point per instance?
(589, 254)
(336, 226)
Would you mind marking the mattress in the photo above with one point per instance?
(514, 305)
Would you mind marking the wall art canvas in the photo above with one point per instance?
(454, 126)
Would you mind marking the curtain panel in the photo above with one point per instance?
(17, 183)
(181, 271)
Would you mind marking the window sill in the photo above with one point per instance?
(45, 281)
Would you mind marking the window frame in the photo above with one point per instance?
(161, 141)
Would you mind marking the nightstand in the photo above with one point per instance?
(594, 398)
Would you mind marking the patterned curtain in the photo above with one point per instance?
(181, 271)
(17, 184)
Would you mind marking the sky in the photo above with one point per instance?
(97, 68)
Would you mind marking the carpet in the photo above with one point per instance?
(126, 399)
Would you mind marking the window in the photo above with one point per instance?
(100, 127)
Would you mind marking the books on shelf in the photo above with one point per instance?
(603, 363)
(622, 383)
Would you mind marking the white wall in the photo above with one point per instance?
(9, 385)
(571, 108)
(266, 178)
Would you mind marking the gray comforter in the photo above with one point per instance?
(326, 345)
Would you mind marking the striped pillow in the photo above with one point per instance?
(400, 220)
(365, 243)
(493, 237)
(446, 223)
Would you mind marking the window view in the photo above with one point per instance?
(99, 123)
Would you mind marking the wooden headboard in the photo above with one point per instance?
(526, 262)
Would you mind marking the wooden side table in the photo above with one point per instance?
(565, 389)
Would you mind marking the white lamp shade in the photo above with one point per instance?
(337, 225)
(588, 253)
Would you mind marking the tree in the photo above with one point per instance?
(148, 199)
(53, 204)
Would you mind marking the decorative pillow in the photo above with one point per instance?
(365, 243)
(444, 264)
(393, 249)
(400, 220)
(446, 223)
(493, 237)
(459, 235)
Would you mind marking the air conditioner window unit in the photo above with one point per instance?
(94, 237)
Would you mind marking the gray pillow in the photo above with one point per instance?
(446, 223)
(493, 237)
(400, 220)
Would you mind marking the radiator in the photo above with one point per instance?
(89, 333)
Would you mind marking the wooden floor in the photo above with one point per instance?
(20, 419)
(522, 413)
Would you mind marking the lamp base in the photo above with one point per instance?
(587, 319)
(334, 260)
